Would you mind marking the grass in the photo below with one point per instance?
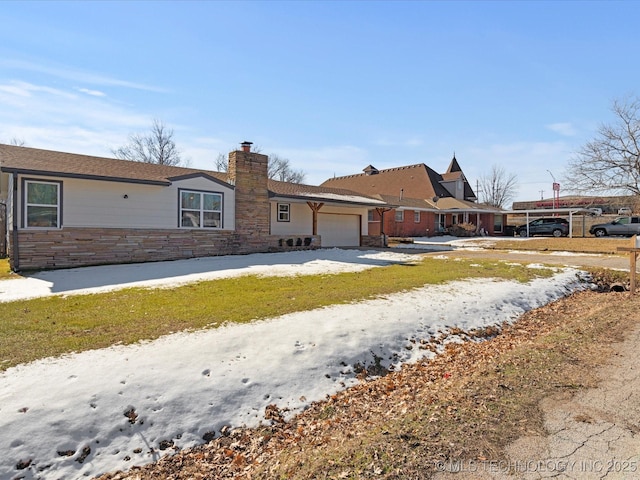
(412, 421)
(467, 403)
(576, 244)
(463, 407)
(53, 326)
(5, 271)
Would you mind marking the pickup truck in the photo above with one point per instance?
(627, 226)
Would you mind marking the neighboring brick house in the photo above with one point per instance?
(67, 210)
(427, 203)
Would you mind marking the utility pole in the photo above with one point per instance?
(541, 194)
(556, 190)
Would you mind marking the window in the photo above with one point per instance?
(200, 209)
(399, 215)
(42, 206)
(283, 212)
(370, 216)
(497, 223)
(416, 217)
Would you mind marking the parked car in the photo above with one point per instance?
(624, 211)
(626, 226)
(558, 227)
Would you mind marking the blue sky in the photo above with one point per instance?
(332, 86)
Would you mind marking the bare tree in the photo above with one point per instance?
(222, 164)
(611, 161)
(155, 147)
(278, 169)
(498, 187)
(18, 142)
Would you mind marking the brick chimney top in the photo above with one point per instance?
(246, 146)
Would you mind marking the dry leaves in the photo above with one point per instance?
(467, 402)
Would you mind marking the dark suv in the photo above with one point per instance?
(558, 227)
(627, 226)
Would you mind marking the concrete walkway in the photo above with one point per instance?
(592, 434)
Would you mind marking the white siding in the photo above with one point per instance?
(338, 226)
(300, 220)
(96, 203)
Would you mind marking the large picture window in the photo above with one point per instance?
(42, 205)
(200, 209)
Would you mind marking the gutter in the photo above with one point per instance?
(27, 171)
(15, 251)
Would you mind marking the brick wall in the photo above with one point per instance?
(74, 247)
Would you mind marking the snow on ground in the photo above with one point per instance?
(88, 413)
(169, 274)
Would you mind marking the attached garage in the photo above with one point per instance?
(339, 230)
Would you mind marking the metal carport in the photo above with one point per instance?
(543, 212)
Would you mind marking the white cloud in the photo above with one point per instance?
(78, 76)
(24, 89)
(51, 118)
(563, 128)
(318, 164)
(95, 93)
(321, 164)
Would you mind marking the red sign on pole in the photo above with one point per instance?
(556, 187)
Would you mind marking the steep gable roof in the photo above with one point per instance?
(454, 166)
(414, 181)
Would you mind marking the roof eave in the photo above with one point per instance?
(309, 198)
(42, 173)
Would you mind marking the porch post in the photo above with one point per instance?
(315, 207)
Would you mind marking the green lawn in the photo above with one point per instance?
(56, 325)
(5, 271)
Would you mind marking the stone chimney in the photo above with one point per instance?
(248, 172)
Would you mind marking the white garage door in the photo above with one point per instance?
(339, 230)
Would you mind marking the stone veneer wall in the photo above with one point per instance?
(74, 247)
(372, 241)
(248, 171)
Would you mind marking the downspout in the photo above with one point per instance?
(14, 234)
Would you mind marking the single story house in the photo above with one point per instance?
(426, 203)
(67, 210)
